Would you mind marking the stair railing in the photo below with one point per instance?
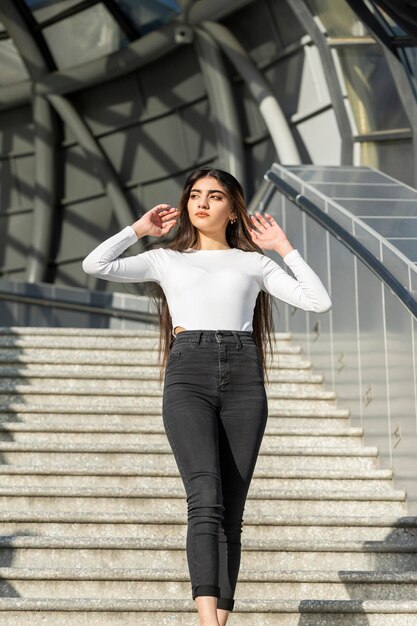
(366, 345)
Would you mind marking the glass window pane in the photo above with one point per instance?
(371, 90)
(149, 15)
(338, 18)
(393, 157)
(12, 69)
(87, 35)
(45, 9)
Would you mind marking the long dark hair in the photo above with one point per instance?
(237, 236)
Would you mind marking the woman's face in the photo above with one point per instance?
(211, 199)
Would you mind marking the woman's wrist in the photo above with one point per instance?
(139, 230)
(284, 247)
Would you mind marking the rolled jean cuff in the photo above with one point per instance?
(225, 603)
(206, 590)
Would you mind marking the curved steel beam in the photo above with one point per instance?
(15, 95)
(305, 18)
(100, 164)
(45, 191)
(269, 108)
(137, 54)
(222, 105)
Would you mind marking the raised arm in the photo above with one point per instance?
(306, 290)
(105, 260)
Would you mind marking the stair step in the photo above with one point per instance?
(55, 420)
(98, 476)
(101, 612)
(126, 552)
(104, 342)
(52, 394)
(29, 331)
(51, 356)
(103, 387)
(287, 527)
(35, 373)
(367, 494)
(91, 612)
(267, 448)
(148, 401)
(175, 482)
(144, 394)
(374, 475)
(138, 456)
(170, 501)
(117, 434)
(144, 349)
(154, 427)
(284, 410)
(256, 584)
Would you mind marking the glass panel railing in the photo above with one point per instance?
(366, 345)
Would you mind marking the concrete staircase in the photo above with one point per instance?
(93, 512)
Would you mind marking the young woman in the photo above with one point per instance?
(215, 295)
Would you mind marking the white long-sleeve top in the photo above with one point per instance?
(210, 289)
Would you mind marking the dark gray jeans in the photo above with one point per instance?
(215, 411)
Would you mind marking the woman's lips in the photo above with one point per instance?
(202, 214)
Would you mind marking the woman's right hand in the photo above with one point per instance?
(156, 222)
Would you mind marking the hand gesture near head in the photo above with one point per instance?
(156, 222)
(268, 234)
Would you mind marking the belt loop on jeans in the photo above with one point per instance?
(238, 341)
(198, 337)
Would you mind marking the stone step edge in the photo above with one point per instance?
(125, 344)
(338, 521)
(100, 428)
(352, 495)
(10, 340)
(94, 332)
(249, 545)
(318, 451)
(186, 606)
(143, 393)
(17, 408)
(245, 575)
(90, 470)
(117, 375)
(283, 366)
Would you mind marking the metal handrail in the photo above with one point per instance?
(348, 240)
(79, 306)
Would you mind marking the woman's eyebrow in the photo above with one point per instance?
(210, 191)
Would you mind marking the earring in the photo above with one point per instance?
(233, 221)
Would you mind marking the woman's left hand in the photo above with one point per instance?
(270, 235)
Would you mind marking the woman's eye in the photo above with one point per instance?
(216, 197)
